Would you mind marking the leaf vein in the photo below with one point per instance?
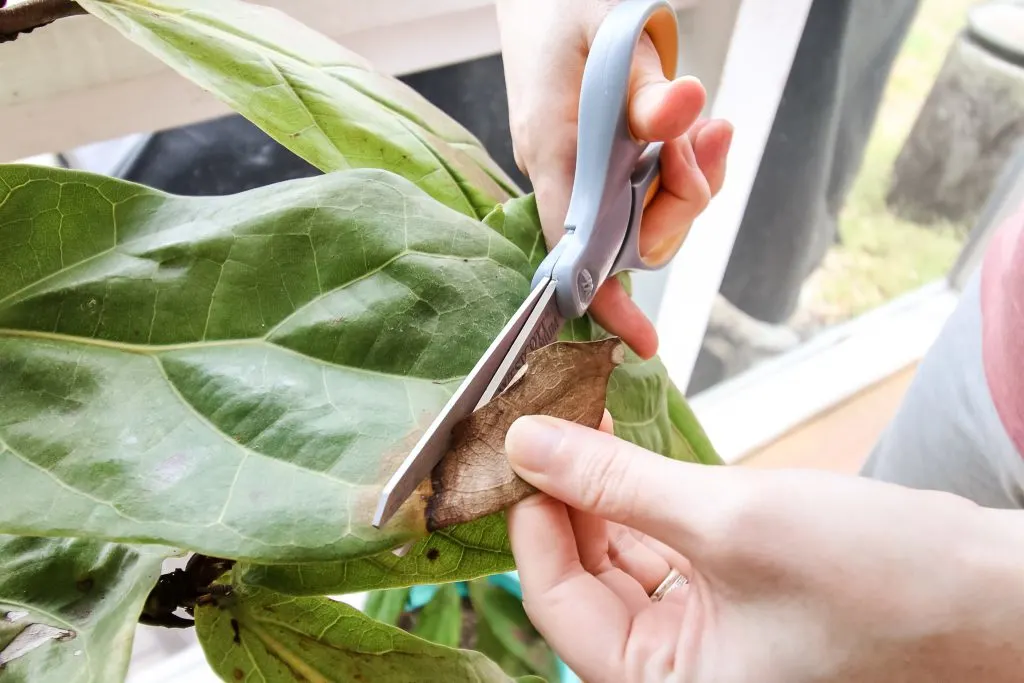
(64, 485)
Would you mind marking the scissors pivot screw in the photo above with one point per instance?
(585, 282)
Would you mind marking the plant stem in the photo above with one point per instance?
(31, 14)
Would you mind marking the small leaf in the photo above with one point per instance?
(458, 553)
(386, 605)
(489, 645)
(69, 608)
(440, 620)
(517, 221)
(651, 412)
(311, 95)
(564, 380)
(256, 634)
(505, 617)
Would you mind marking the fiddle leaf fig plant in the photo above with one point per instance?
(236, 378)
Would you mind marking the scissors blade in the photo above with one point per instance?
(535, 324)
(541, 328)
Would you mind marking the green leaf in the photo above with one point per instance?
(507, 621)
(386, 605)
(313, 96)
(688, 430)
(458, 553)
(491, 647)
(256, 634)
(647, 407)
(517, 221)
(232, 375)
(651, 412)
(69, 608)
(440, 620)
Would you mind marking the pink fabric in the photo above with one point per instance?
(1002, 314)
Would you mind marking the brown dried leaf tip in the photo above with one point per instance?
(567, 380)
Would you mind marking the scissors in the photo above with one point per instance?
(616, 177)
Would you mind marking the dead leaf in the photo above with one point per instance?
(31, 637)
(567, 380)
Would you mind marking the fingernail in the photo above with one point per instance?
(690, 79)
(728, 137)
(531, 441)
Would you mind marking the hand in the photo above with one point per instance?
(793, 576)
(544, 48)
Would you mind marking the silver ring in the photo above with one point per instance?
(669, 583)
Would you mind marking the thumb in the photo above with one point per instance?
(660, 109)
(605, 476)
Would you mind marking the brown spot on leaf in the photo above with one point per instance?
(567, 380)
(85, 585)
(433, 554)
(238, 674)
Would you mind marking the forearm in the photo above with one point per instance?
(986, 629)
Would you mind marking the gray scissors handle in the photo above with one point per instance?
(615, 173)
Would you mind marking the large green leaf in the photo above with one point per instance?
(256, 634)
(69, 607)
(184, 370)
(233, 375)
(313, 96)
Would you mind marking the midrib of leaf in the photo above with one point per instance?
(305, 106)
(154, 350)
(292, 660)
(394, 108)
(504, 183)
(447, 169)
(641, 423)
